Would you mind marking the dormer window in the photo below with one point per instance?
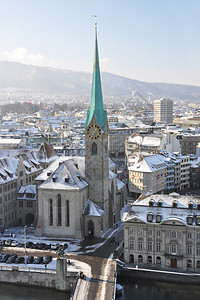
(197, 220)
(150, 217)
(67, 179)
(49, 173)
(198, 205)
(190, 205)
(54, 178)
(151, 202)
(160, 203)
(158, 218)
(189, 220)
(175, 204)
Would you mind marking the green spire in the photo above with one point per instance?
(96, 104)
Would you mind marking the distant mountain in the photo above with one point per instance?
(27, 77)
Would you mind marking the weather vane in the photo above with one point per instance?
(95, 20)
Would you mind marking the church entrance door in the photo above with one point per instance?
(91, 228)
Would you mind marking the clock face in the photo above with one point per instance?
(93, 131)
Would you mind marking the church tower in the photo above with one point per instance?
(96, 144)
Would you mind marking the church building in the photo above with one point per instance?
(81, 196)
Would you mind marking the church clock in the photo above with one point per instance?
(93, 131)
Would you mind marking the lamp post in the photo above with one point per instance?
(25, 227)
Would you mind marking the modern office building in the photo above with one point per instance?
(163, 111)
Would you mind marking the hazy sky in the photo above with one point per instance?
(149, 40)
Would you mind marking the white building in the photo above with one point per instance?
(163, 231)
(163, 111)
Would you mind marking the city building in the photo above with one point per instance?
(163, 111)
(163, 231)
(82, 196)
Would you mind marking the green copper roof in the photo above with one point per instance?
(96, 104)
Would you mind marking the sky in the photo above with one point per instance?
(147, 40)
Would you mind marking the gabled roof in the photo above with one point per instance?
(92, 209)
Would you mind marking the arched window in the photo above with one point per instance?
(149, 260)
(59, 210)
(94, 148)
(175, 204)
(189, 219)
(198, 264)
(50, 212)
(150, 217)
(158, 218)
(158, 260)
(131, 259)
(189, 263)
(140, 258)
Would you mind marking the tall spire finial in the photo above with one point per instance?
(95, 24)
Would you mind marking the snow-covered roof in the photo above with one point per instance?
(120, 184)
(141, 207)
(92, 209)
(24, 191)
(70, 175)
(149, 163)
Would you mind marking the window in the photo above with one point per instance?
(158, 232)
(67, 212)
(158, 260)
(139, 232)
(158, 218)
(131, 231)
(149, 260)
(1, 190)
(5, 188)
(94, 148)
(160, 203)
(140, 258)
(189, 249)
(50, 212)
(149, 232)
(173, 234)
(151, 202)
(20, 203)
(198, 249)
(131, 244)
(174, 204)
(198, 235)
(149, 217)
(189, 220)
(140, 245)
(189, 235)
(131, 258)
(190, 205)
(59, 210)
(158, 246)
(198, 264)
(173, 248)
(149, 246)
(21, 173)
(197, 220)
(29, 204)
(189, 263)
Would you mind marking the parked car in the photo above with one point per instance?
(2, 243)
(30, 260)
(41, 246)
(29, 244)
(8, 243)
(55, 246)
(47, 246)
(19, 260)
(11, 259)
(38, 260)
(21, 245)
(4, 258)
(47, 259)
(7, 234)
(14, 244)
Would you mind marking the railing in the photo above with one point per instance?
(26, 269)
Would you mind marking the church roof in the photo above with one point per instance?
(92, 209)
(96, 105)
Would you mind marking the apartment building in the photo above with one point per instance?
(163, 231)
